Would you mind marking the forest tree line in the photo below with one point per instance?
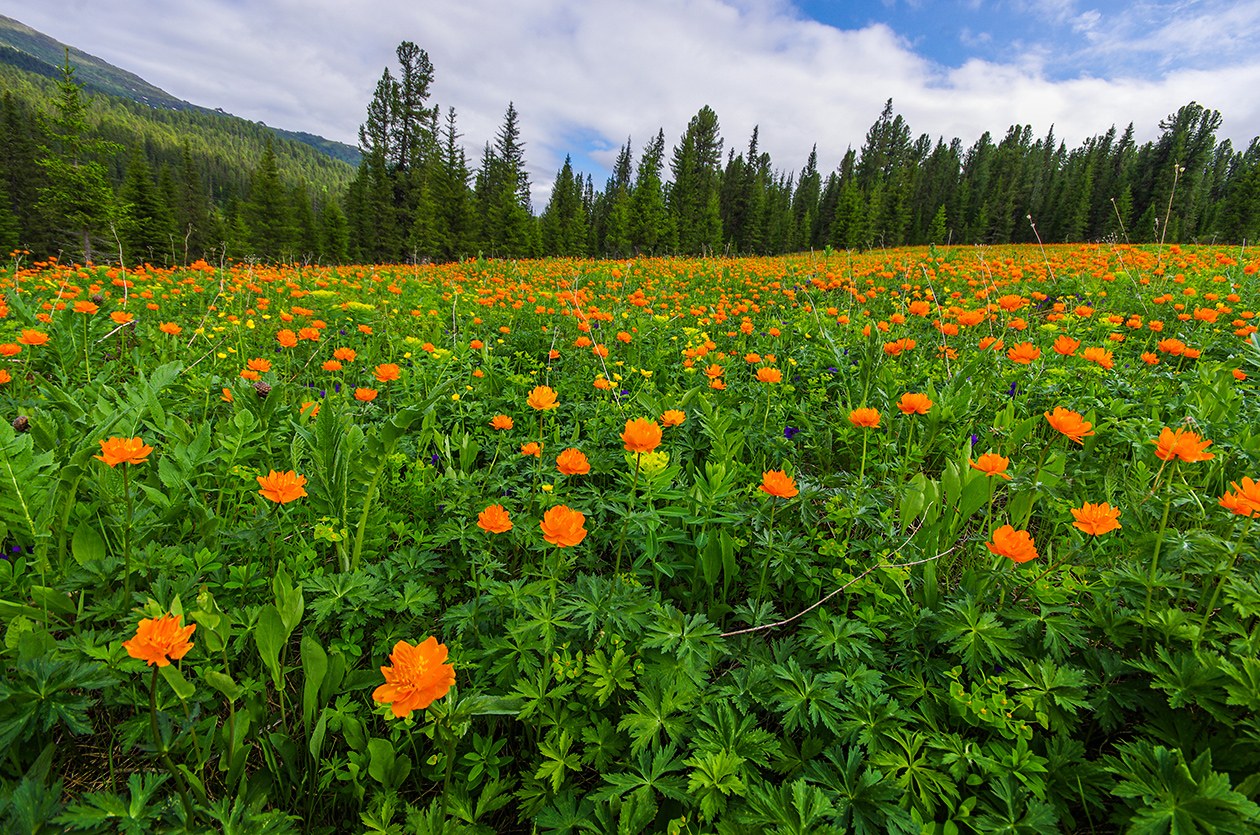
(417, 197)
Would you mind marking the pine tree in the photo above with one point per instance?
(76, 197)
(334, 233)
(267, 211)
(192, 209)
(563, 223)
(649, 222)
(693, 197)
(305, 227)
(144, 225)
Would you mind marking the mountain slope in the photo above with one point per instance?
(26, 49)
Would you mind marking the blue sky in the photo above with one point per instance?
(585, 75)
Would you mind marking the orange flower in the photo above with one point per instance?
(1016, 545)
(286, 338)
(5, 377)
(673, 417)
(992, 464)
(531, 448)
(121, 317)
(500, 422)
(769, 375)
(494, 519)
(641, 435)
(1171, 346)
(345, 354)
(1070, 424)
(331, 365)
(308, 333)
(1245, 500)
(1098, 355)
(85, 307)
(250, 374)
(33, 338)
(864, 417)
(387, 372)
(117, 451)
(10, 349)
(282, 488)
(259, 364)
(419, 677)
(1149, 358)
(914, 404)
(573, 462)
(717, 384)
(310, 408)
(714, 371)
(161, 641)
(542, 398)
(1024, 353)
(752, 358)
(1239, 374)
(365, 394)
(226, 397)
(1096, 519)
(1183, 444)
(563, 527)
(778, 483)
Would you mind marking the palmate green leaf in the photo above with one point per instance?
(558, 758)
(564, 815)
(605, 676)
(795, 808)
(721, 729)
(908, 762)
(1057, 692)
(714, 777)
(660, 707)
(650, 770)
(1188, 679)
(807, 699)
(864, 799)
(976, 635)
(1175, 797)
(106, 811)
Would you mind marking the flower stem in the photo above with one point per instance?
(1207, 613)
(765, 565)
(626, 522)
(1159, 541)
(161, 749)
(127, 537)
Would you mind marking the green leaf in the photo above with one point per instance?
(182, 686)
(87, 545)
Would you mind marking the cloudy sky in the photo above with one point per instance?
(585, 75)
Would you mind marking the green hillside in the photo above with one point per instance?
(25, 49)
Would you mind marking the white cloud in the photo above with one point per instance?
(598, 71)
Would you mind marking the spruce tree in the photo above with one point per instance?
(267, 212)
(76, 196)
(144, 225)
(334, 233)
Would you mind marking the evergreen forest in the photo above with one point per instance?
(100, 178)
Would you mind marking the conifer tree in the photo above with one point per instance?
(649, 224)
(693, 197)
(334, 233)
(144, 225)
(267, 212)
(76, 196)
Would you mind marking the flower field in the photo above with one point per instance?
(917, 540)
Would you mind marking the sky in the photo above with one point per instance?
(585, 76)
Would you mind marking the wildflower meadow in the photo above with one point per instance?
(956, 540)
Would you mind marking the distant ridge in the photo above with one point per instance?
(27, 49)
